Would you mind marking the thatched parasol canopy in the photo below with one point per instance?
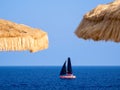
(102, 23)
(17, 37)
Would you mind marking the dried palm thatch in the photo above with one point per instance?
(102, 23)
(17, 37)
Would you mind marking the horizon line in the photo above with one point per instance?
(59, 65)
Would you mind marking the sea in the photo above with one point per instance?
(47, 78)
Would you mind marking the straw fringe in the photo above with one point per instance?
(23, 43)
(17, 37)
(102, 23)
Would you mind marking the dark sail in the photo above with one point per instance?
(63, 70)
(69, 67)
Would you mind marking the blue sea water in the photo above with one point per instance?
(47, 78)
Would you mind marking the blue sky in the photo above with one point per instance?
(59, 18)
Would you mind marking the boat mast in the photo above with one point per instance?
(69, 67)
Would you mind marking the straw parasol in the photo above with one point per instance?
(18, 37)
(102, 23)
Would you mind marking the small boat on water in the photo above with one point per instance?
(66, 71)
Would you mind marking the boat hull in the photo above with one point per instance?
(68, 77)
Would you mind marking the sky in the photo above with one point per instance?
(59, 18)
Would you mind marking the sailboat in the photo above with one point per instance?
(66, 71)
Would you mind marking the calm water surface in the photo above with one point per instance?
(47, 78)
